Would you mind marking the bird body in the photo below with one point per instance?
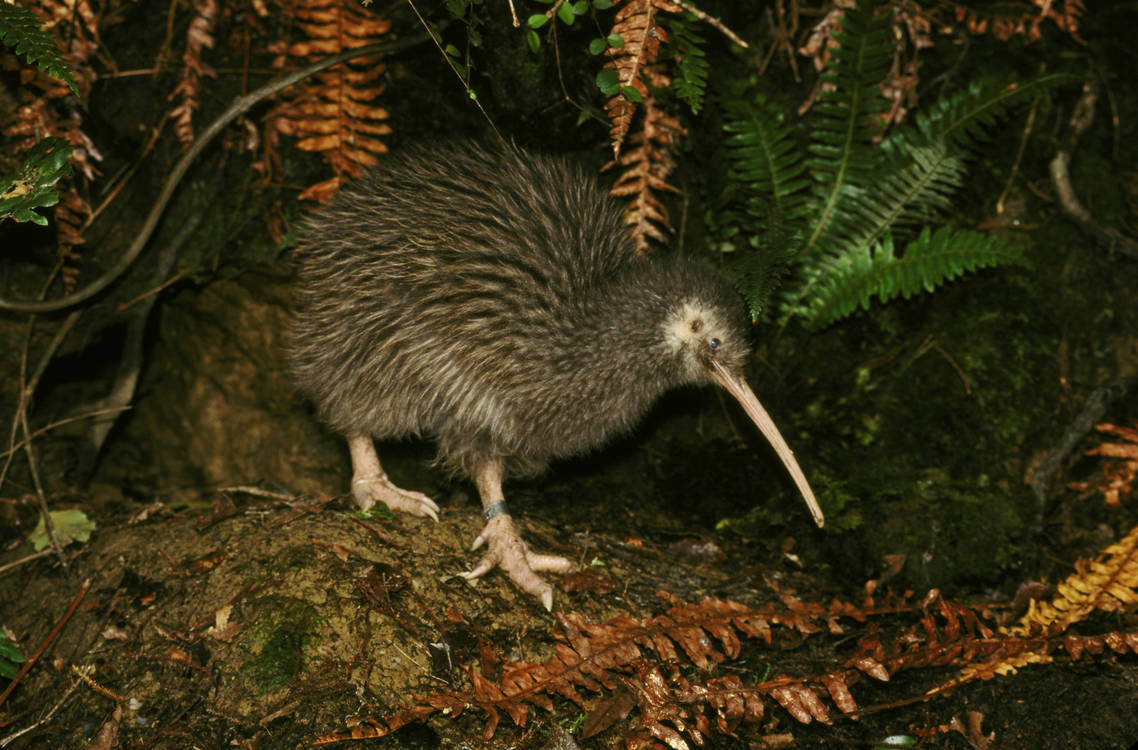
(492, 299)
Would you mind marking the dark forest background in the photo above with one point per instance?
(951, 352)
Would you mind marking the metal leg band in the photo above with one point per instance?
(496, 508)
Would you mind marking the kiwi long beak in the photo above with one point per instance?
(737, 387)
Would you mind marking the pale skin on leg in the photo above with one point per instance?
(371, 485)
(506, 549)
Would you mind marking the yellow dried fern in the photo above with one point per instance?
(1107, 583)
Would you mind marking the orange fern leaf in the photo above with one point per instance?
(199, 37)
(335, 116)
(1118, 476)
(635, 22)
(1108, 583)
(1004, 25)
(646, 170)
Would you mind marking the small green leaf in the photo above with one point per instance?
(608, 81)
(602, 4)
(581, 7)
(615, 40)
(32, 186)
(565, 13)
(597, 46)
(537, 20)
(457, 8)
(451, 50)
(631, 93)
(70, 526)
(533, 40)
(472, 94)
(22, 30)
(11, 651)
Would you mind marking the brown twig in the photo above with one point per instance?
(60, 423)
(47, 641)
(379, 534)
(1027, 128)
(1081, 119)
(561, 81)
(450, 63)
(240, 106)
(20, 420)
(26, 559)
(259, 492)
(959, 371)
(712, 21)
(42, 720)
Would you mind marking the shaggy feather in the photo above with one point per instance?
(492, 298)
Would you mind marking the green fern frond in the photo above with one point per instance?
(690, 82)
(766, 159)
(966, 116)
(853, 278)
(842, 155)
(756, 259)
(767, 171)
(33, 186)
(20, 29)
(906, 192)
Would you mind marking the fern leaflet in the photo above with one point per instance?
(20, 29)
(854, 277)
(908, 191)
(841, 142)
(766, 159)
(768, 170)
(686, 43)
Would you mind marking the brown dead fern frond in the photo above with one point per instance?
(911, 28)
(1005, 23)
(335, 116)
(1118, 476)
(646, 170)
(635, 23)
(632, 667)
(199, 37)
(1107, 583)
(634, 664)
(647, 166)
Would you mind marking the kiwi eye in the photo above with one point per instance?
(713, 343)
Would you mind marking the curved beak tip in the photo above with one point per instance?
(737, 387)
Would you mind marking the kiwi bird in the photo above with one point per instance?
(492, 299)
